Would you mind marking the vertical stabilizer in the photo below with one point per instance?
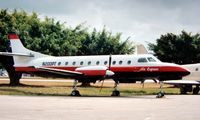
(21, 55)
(140, 49)
(16, 44)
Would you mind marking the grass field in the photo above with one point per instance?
(55, 88)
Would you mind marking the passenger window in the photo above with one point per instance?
(114, 62)
(150, 59)
(120, 62)
(129, 62)
(142, 60)
(81, 63)
(66, 63)
(97, 63)
(74, 63)
(106, 62)
(89, 63)
(59, 63)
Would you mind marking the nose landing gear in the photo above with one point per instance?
(161, 94)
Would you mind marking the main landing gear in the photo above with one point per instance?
(161, 93)
(75, 92)
(116, 91)
(189, 88)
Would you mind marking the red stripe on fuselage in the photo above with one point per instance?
(93, 72)
(25, 69)
(85, 72)
(13, 36)
(116, 69)
(148, 69)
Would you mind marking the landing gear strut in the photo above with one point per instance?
(161, 93)
(75, 92)
(116, 91)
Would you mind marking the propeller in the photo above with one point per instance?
(110, 60)
(109, 66)
(101, 86)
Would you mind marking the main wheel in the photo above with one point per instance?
(160, 95)
(75, 93)
(115, 93)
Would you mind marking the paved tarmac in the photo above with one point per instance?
(173, 107)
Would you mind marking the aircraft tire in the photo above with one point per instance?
(115, 93)
(75, 93)
(160, 95)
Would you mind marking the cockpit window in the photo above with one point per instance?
(150, 59)
(142, 60)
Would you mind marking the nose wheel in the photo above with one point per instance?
(75, 92)
(161, 94)
(116, 92)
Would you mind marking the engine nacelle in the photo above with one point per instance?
(95, 71)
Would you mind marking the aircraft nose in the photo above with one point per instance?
(176, 69)
(185, 71)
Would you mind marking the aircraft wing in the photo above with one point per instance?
(59, 71)
(182, 82)
(89, 71)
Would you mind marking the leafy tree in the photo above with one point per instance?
(54, 38)
(101, 43)
(181, 49)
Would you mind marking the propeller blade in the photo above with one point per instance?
(110, 60)
(101, 86)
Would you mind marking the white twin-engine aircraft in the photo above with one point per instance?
(120, 68)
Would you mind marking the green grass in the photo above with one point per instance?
(65, 90)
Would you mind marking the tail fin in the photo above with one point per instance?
(16, 45)
(140, 49)
(22, 56)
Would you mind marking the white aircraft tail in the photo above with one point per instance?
(140, 49)
(21, 55)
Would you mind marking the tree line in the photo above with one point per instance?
(55, 38)
(183, 48)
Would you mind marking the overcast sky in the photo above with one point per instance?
(142, 20)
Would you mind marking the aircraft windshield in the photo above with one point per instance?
(142, 60)
(150, 59)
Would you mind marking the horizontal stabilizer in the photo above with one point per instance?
(16, 54)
